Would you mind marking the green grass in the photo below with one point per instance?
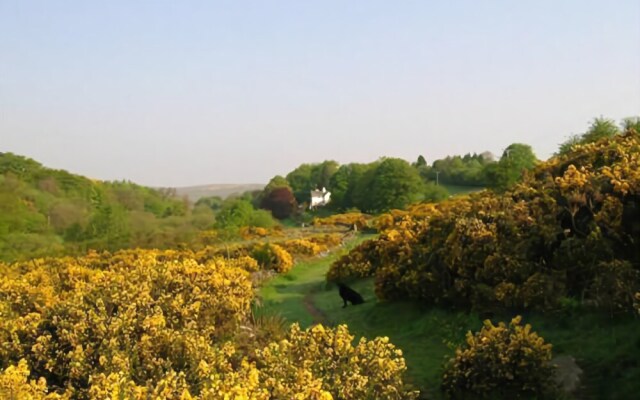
(459, 189)
(285, 293)
(422, 334)
(607, 349)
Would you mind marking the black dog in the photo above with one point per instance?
(349, 294)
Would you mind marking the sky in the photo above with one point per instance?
(179, 93)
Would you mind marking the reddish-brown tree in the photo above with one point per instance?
(280, 201)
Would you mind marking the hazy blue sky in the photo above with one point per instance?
(176, 93)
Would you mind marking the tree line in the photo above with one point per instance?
(390, 183)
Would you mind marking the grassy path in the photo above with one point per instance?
(292, 295)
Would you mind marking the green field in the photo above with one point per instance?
(607, 349)
(459, 189)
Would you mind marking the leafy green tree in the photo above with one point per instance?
(423, 168)
(565, 147)
(234, 213)
(321, 174)
(202, 216)
(434, 193)
(301, 182)
(343, 185)
(261, 219)
(515, 159)
(64, 214)
(467, 170)
(276, 182)
(631, 123)
(358, 177)
(600, 128)
(308, 177)
(212, 202)
(109, 227)
(393, 183)
(339, 185)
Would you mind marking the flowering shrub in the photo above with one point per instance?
(397, 218)
(322, 363)
(142, 324)
(366, 259)
(327, 240)
(503, 362)
(253, 232)
(15, 384)
(358, 220)
(141, 318)
(272, 256)
(302, 247)
(569, 230)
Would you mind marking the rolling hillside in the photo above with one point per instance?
(221, 190)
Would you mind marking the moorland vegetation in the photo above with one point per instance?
(114, 290)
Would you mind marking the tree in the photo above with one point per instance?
(280, 201)
(277, 181)
(631, 123)
(516, 158)
(212, 202)
(64, 214)
(301, 182)
(435, 193)
(308, 177)
(393, 183)
(600, 128)
(261, 219)
(322, 173)
(343, 185)
(235, 213)
(566, 146)
(359, 180)
(339, 185)
(422, 167)
(465, 170)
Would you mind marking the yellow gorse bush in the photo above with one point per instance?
(141, 324)
(16, 385)
(325, 362)
(570, 229)
(272, 256)
(302, 247)
(357, 219)
(501, 362)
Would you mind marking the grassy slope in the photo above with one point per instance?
(607, 349)
(222, 190)
(459, 189)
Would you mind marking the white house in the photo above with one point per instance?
(319, 198)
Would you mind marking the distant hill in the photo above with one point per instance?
(222, 190)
